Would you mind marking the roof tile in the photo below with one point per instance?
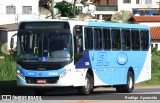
(146, 18)
(155, 32)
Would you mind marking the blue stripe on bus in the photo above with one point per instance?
(84, 62)
(118, 25)
(111, 67)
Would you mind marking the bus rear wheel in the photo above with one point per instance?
(128, 88)
(88, 87)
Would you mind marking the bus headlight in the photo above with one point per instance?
(20, 74)
(65, 72)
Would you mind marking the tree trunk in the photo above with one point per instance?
(74, 8)
(52, 8)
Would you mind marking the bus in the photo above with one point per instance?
(82, 54)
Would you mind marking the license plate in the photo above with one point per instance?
(41, 81)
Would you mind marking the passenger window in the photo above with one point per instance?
(135, 40)
(106, 39)
(144, 40)
(97, 39)
(125, 39)
(116, 41)
(88, 38)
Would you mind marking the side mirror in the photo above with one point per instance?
(12, 43)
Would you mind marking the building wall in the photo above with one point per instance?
(18, 16)
(142, 4)
(108, 2)
(155, 43)
(18, 4)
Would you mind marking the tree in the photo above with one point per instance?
(49, 4)
(67, 9)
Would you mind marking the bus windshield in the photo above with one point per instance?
(44, 47)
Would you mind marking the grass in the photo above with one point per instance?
(155, 75)
(7, 69)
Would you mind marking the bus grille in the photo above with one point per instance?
(49, 80)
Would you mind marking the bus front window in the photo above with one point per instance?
(34, 47)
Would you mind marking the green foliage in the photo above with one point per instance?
(66, 9)
(7, 69)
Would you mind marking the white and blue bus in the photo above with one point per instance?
(82, 54)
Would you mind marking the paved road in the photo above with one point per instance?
(100, 95)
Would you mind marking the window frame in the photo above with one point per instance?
(10, 9)
(144, 49)
(132, 45)
(91, 40)
(118, 48)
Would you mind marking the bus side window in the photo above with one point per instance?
(106, 39)
(88, 38)
(144, 40)
(135, 40)
(97, 39)
(125, 34)
(116, 41)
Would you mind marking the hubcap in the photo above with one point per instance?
(130, 83)
(87, 85)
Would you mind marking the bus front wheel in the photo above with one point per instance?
(88, 87)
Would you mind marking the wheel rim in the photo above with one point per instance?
(87, 84)
(130, 83)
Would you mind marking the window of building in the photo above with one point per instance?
(144, 40)
(126, 1)
(27, 10)
(80, 8)
(97, 39)
(148, 1)
(106, 39)
(135, 40)
(10, 9)
(125, 34)
(137, 1)
(116, 40)
(151, 45)
(156, 46)
(88, 38)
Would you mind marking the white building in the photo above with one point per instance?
(137, 4)
(13, 11)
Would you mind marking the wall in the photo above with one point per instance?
(156, 42)
(16, 18)
(127, 6)
(19, 4)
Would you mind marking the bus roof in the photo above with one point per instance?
(94, 23)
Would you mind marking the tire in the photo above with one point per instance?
(120, 88)
(39, 92)
(128, 88)
(88, 87)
